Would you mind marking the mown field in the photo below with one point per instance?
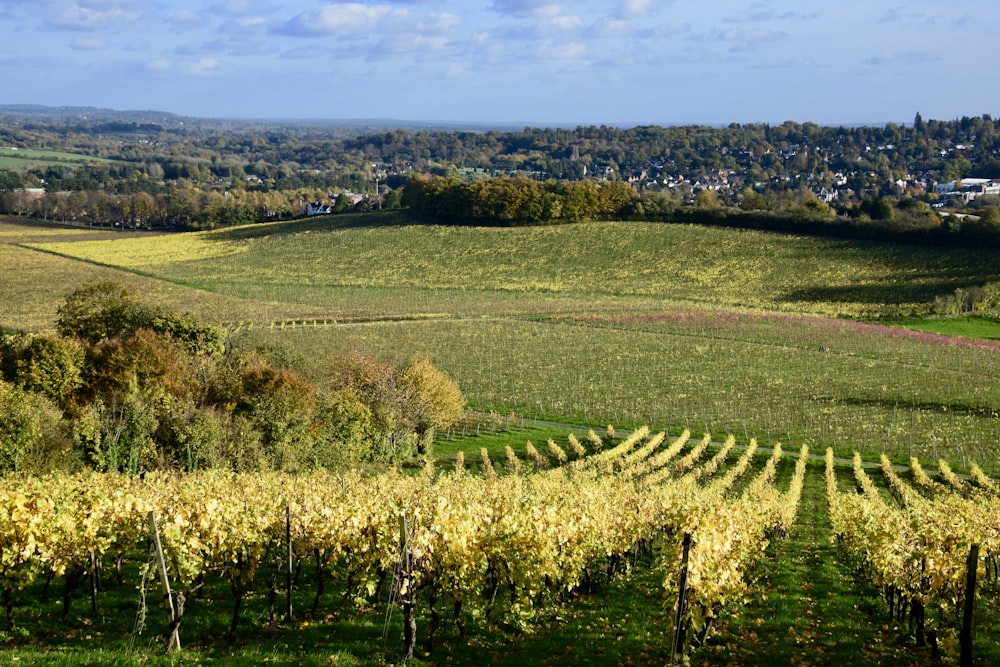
(24, 158)
(726, 331)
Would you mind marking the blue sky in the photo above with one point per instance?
(621, 62)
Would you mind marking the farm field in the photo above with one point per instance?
(314, 261)
(624, 323)
(722, 331)
(24, 158)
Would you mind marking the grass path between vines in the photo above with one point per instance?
(806, 607)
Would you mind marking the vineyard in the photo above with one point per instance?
(569, 549)
(485, 546)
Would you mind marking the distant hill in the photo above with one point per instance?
(90, 113)
(343, 127)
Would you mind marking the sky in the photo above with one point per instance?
(537, 62)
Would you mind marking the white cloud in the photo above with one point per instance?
(343, 19)
(185, 20)
(399, 44)
(194, 67)
(81, 16)
(201, 66)
(631, 9)
(750, 16)
(439, 24)
(160, 65)
(523, 8)
(241, 8)
(242, 25)
(567, 51)
(555, 26)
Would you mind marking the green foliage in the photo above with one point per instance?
(988, 300)
(138, 395)
(10, 180)
(156, 363)
(517, 200)
(878, 209)
(348, 433)
(437, 402)
(707, 199)
(111, 309)
(394, 406)
(277, 403)
(118, 435)
(192, 438)
(49, 365)
(984, 300)
(102, 310)
(30, 433)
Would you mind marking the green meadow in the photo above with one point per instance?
(24, 158)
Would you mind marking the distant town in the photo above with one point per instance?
(148, 169)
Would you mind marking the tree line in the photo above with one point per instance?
(196, 175)
(180, 208)
(129, 386)
(297, 155)
(521, 201)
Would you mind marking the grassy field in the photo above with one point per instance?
(323, 262)
(25, 158)
(970, 327)
(722, 330)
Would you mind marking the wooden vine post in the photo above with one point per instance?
(175, 617)
(407, 592)
(965, 638)
(291, 562)
(678, 645)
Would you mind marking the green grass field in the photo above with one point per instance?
(970, 327)
(24, 158)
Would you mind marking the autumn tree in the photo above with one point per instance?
(112, 309)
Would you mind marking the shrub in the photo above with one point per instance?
(48, 365)
(405, 403)
(111, 309)
(437, 402)
(30, 437)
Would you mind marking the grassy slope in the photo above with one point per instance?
(979, 328)
(596, 322)
(314, 261)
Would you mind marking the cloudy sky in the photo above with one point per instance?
(617, 62)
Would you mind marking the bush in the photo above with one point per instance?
(404, 403)
(48, 365)
(30, 436)
(111, 309)
(437, 403)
